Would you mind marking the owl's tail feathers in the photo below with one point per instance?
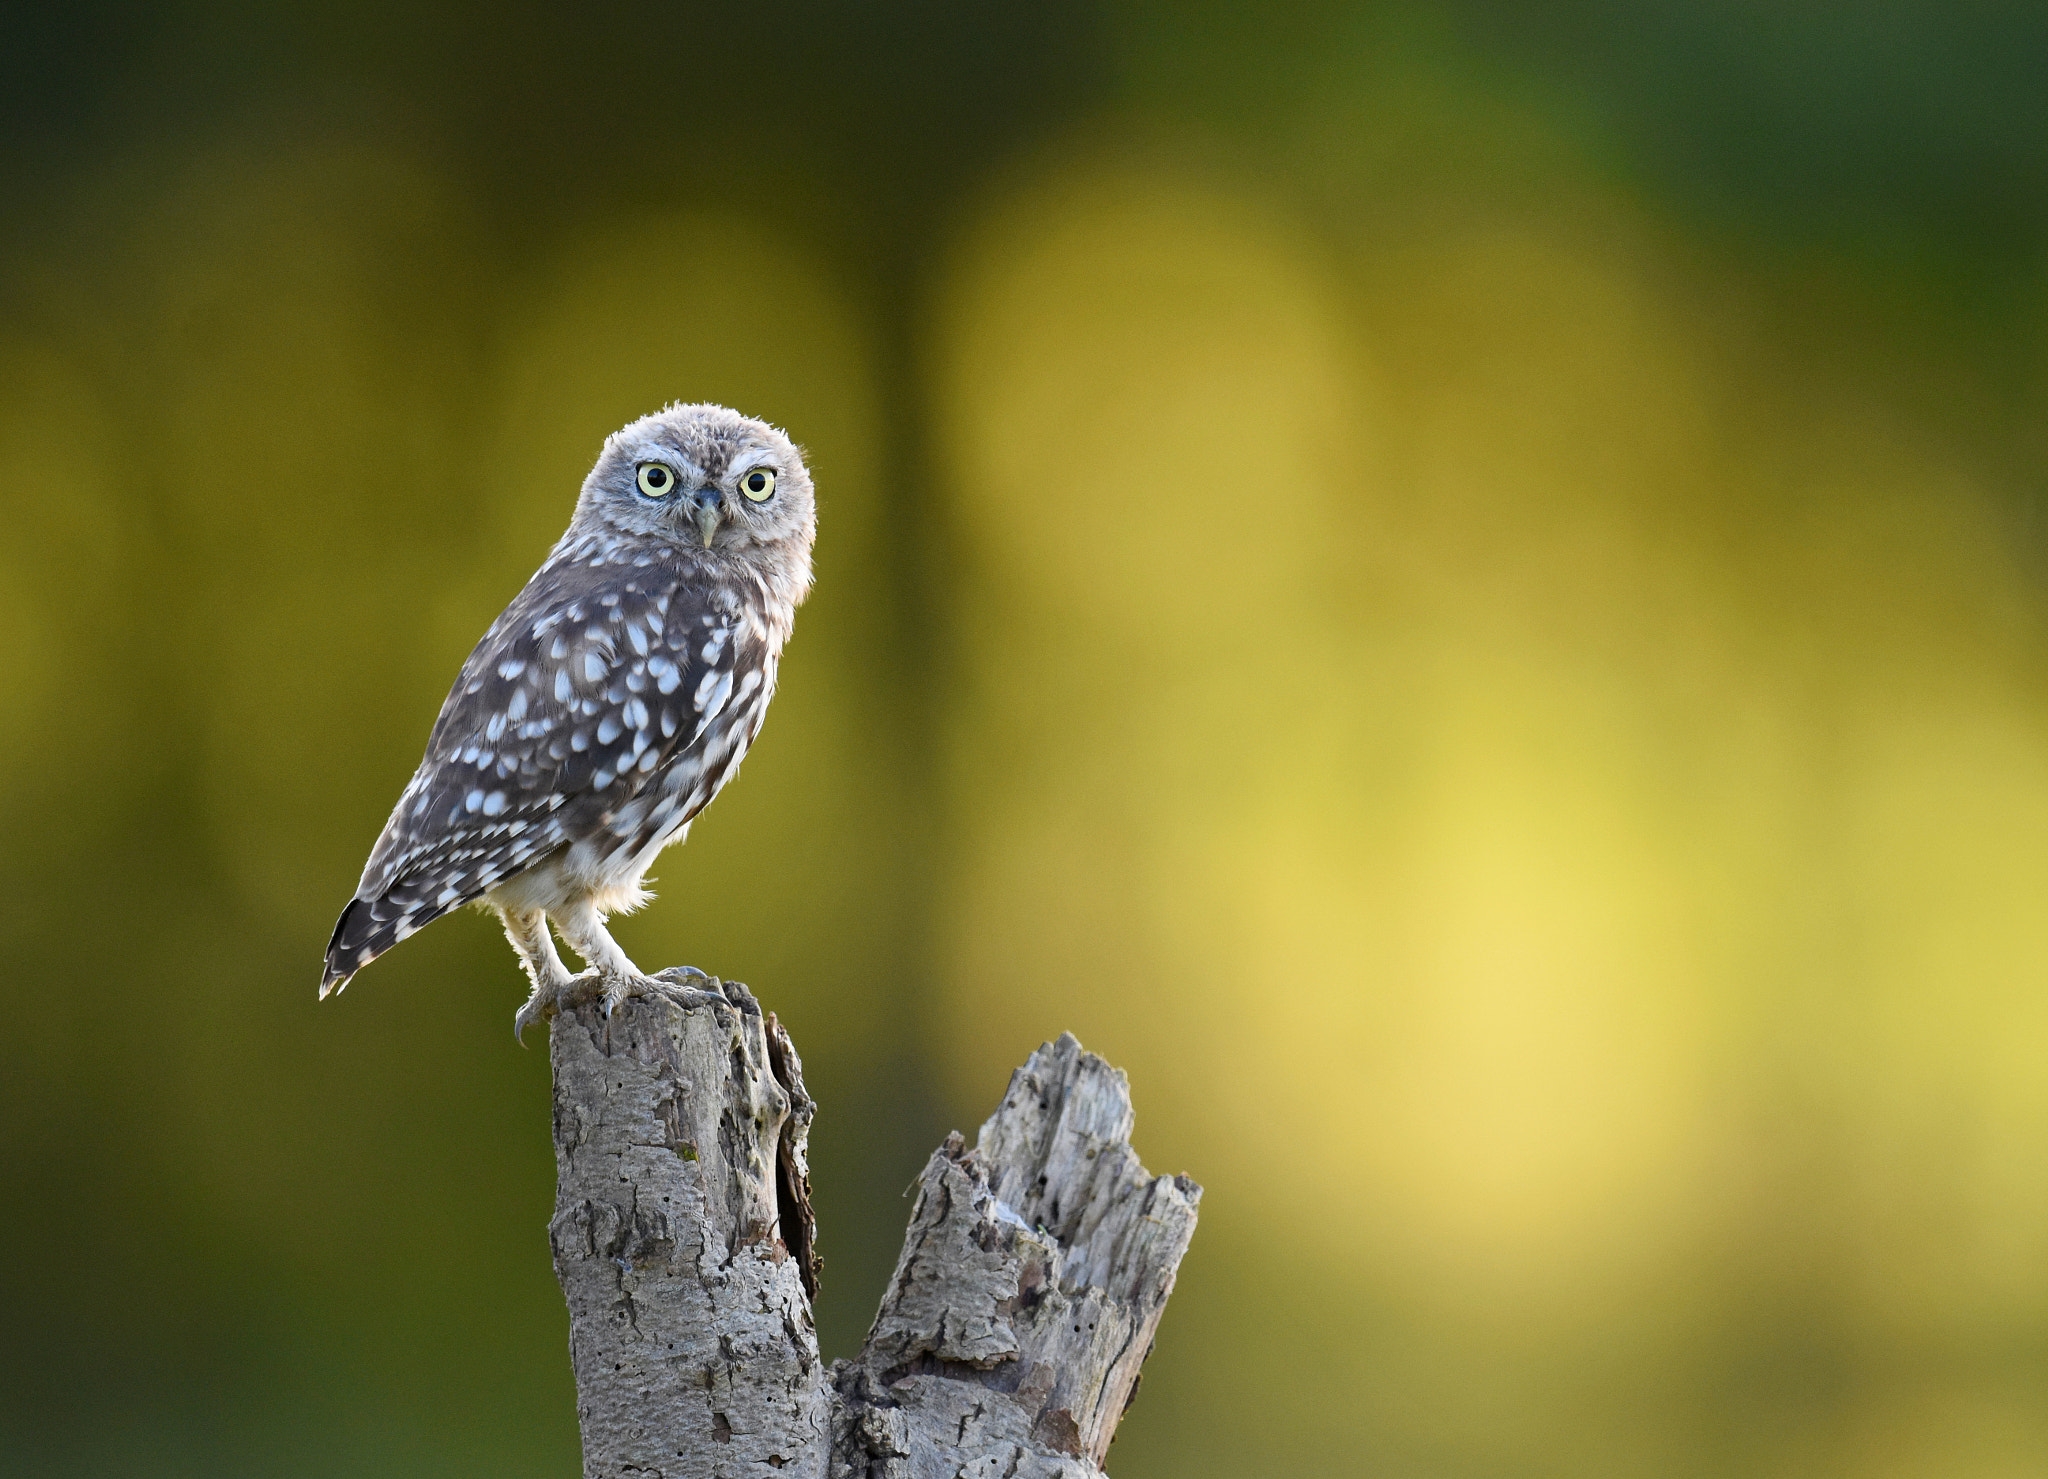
(369, 927)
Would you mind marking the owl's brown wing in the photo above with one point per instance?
(594, 686)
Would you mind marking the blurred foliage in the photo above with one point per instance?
(1458, 588)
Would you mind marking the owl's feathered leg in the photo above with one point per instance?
(527, 929)
(583, 927)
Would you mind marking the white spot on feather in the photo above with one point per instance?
(712, 693)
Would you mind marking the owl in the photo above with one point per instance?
(604, 708)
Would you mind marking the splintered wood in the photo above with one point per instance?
(1009, 1340)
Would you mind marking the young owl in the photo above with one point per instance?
(605, 706)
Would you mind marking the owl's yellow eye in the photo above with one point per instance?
(758, 484)
(656, 481)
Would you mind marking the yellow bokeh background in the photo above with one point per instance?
(1494, 772)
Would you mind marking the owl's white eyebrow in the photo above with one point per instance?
(688, 469)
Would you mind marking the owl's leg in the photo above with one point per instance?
(527, 929)
(583, 927)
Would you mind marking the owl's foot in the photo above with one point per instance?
(553, 986)
(733, 993)
(672, 986)
(675, 987)
(548, 999)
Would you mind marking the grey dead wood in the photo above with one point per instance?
(1008, 1342)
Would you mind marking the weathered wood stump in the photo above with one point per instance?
(1008, 1342)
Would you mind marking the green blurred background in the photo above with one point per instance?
(1461, 588)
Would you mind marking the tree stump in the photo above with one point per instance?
(1008, 1342)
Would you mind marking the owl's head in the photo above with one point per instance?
(707, 480)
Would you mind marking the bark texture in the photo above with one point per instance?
(1008, 1342)
(689, 1320)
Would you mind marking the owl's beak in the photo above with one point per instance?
(708, 514)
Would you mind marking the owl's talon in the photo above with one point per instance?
(542, 1006)
(723, 993)
(687, 997)
(737, 994)
(548, 1000)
